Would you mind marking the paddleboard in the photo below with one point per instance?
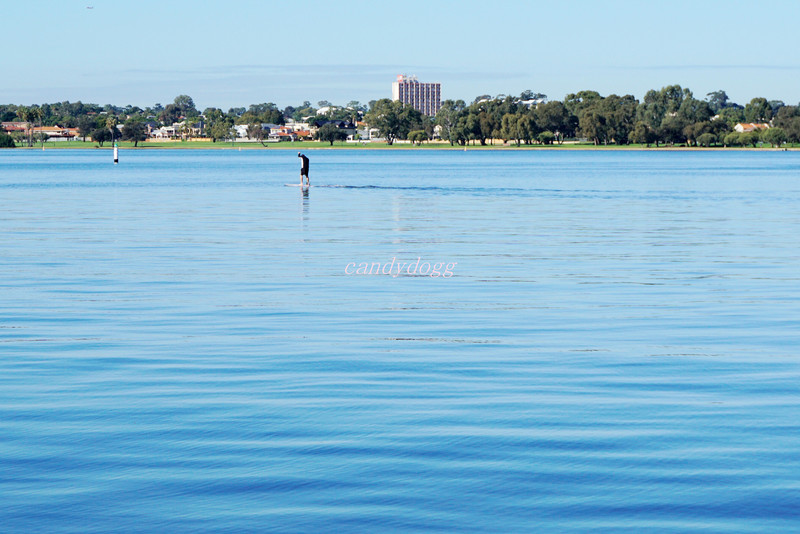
(298, 185)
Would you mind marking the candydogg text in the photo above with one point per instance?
(396, 268)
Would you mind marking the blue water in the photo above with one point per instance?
(183, 351)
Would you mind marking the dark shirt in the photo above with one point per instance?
(304, 165)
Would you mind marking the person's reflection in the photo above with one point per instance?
(304, 210)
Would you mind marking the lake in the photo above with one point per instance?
(602, 341)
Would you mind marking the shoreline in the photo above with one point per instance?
(178, 145)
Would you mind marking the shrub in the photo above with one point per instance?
(417, 136)
(732, 139)
(6, 141)
(706, 139)
(547, 137)
(774, 136)
(749, 138)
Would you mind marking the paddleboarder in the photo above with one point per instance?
(304, 169)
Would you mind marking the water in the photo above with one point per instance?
(615, 351)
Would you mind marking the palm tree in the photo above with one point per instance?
(111, 124)
(186, 129)
(25, 113)
(38, 114)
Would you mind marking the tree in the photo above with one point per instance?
(527, 127)
(390, 118)
(717, 100)
(257, 132)
(706, 139)
(303, 111)
(547, 137)
(693, 132)
(530, 95)
(101, 135)
(554, 117)
(792, 130)
(219, 125)
(758, 110)
(749, 138)
(577, 102)
(692, 110)
(26, 115)
(19, 137)
(330, 132)
(719, 127)
(593, 126)
(788, 118)
(132, 110)
(417, 137)
(6, 141)
(659, 109)
(732, 139)
(170, 115)
(260, 113)
(6, 113)
(219, 130)
(135, 131)
(774, 136)
(37, 114)
(357, 106)
(731, 115)
(509, 128)
(471, 127)
(185, 106)
(85, 126)
(619, 113)
(776, 106)
(111, 124)
(643, 134)
(671, 130)
(785, 115)
(487, 125)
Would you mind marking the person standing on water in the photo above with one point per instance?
(304, 169)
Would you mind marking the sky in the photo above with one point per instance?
(232, 54)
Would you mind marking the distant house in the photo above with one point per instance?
(341, 124)
(165, 132)
(197, 128)
(282, 136)
(10, 127)
(189, 128)
(346, 126)
(532, 102)
(296, 125)
(56, 133)
(327, 110)
(744, 127)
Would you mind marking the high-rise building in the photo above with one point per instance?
(425, 97)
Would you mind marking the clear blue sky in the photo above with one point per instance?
(242, 52)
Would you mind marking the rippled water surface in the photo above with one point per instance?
(183, 350)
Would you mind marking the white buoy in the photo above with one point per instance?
(116, 153)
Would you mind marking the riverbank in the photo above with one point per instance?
(434, 145)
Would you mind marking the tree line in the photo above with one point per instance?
(669, 116)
